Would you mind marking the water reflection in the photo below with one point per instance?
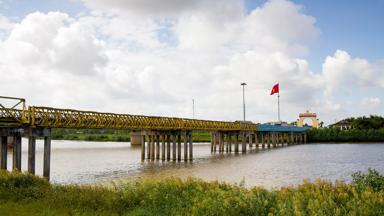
(90, 162)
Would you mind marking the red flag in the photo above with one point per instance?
(275, 89)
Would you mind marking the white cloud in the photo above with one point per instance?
(371, 103)
(142, 6)
(141, 58)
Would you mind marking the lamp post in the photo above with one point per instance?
(193, 108)
(243, 84)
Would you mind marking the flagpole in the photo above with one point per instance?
(278, 106)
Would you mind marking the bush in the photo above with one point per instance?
(23, 194)
(373, 179)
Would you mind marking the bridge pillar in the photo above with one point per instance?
(256, 140)
(4, 151)
(17, 152)
(135, 137)
(153, 137)
(237, 143)
(31, 150)
(148, 145)
(230, 142)
(190, 146)
(179, 146)
(222, 141)
(174, 143)
(250, 140)
(262, 139)
(220, 135)
(269, 140)
(163, 143)
(157, 137)
(301, 138)
(142, 137)
(168, 139)
(244, 142)
(47, 153)
(185, 133)
(282, 139)
(212, 138)
(305, 138)
(226, 142)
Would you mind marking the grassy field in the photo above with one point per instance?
(22, 194)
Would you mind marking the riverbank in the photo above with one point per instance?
(109, 135)
(22, 194)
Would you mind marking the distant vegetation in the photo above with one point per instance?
(367, 123)
(23, 194)
(352, 135)
(364, 129)
(109, 135)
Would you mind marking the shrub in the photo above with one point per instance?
(373, 179)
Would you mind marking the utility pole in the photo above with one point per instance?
(193, 108)
(243, 84)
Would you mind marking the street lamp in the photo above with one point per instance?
(243, 84)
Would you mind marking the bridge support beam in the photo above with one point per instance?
(237, 143)
(136, 138)
(163, 145)
(244, 142)
(4, 151)
(262, 140)
(230, 143)
(168, 139)
(179, 147)
(157, 138)
(47, 153)
(17, 152)
(152, 157)
(305, 138)
(31, 150)
(185, 133)
(174, 143)
(190, 146)
(256, 140)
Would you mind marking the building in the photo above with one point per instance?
(345, 124)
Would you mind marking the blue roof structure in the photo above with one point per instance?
(279, 128)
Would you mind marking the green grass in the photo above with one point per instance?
(23, 194)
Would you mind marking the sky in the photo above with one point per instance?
(151, 57)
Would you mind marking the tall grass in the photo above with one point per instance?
(23, 194)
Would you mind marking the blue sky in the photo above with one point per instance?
(130, 59)
(353, 25)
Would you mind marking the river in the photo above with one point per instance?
(97, 162)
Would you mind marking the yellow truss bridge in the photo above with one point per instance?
(16, 121)
(47, 117)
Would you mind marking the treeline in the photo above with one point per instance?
(366, 123)
(22, 194)
(91, 135)
(352, 135)
(109, 135)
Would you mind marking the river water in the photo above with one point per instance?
(97, 162)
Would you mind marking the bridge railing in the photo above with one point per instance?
(13, 111)
(69, 118)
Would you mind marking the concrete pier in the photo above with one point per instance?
(4, 151)
(136, 138)
(47, 153)
(31, 150)
(16, 165)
